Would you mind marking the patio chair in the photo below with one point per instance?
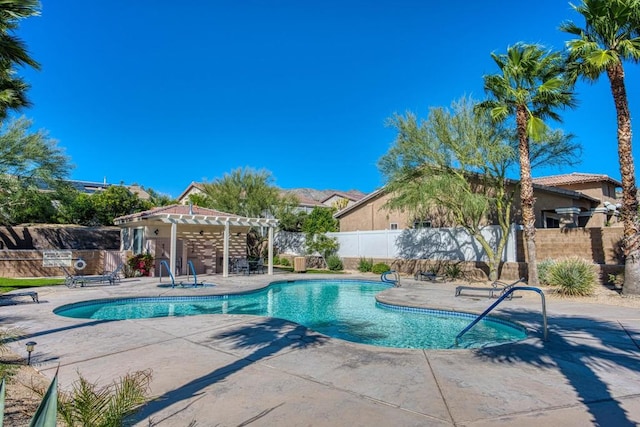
(496, 289)
(115, 275)
(429, 275)
(257, 267)
(32, 294)
(69, 279)
(242, 266)
(112, 277)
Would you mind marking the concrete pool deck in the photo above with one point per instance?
(230, 370)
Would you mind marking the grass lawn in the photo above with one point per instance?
(7, 284)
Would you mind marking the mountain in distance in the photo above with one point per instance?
(319, 195)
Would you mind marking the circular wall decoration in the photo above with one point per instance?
(80, 264)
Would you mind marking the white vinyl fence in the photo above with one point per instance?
(427, 243)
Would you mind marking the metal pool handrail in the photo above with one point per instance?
(166, 265)
(502, 298)
(395, 280)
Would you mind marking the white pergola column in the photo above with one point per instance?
(172, 248)
(225, 251)
(270, 265)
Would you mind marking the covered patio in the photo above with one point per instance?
(182, 233)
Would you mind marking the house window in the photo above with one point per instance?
(583, 220)
(138, 234)
(393, 226)
(551, 222)
(421, 223)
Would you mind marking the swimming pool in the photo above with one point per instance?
(345, 309)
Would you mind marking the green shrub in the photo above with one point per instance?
(285, 262)
(365, 265)
(543, 271)
(616, 280)
(276, 260)
(573, 276)
(453, 271)
(334, 263)
(380, 268)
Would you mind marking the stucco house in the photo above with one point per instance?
(92, 187)
(571, 200)
(308, 199)
(193, 188)
(599, 187)
(341, 200)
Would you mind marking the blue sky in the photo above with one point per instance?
(162, 93)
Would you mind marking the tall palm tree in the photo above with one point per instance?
(13, 53)
(530, 87)
(609, 37)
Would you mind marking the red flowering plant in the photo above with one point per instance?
(140, 264)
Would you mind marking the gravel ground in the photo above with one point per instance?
(21, 402)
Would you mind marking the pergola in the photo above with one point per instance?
(209, 219)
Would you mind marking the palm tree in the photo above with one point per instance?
(13, 52)
(530, 87)
(609, 37)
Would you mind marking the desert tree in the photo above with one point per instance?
(456, 162)
(29, 162)
(249, 193)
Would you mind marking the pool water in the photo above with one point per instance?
(342, 309)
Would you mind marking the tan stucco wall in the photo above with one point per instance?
(372, 216)
(184, 200)
(598, 190)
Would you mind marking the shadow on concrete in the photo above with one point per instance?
(584, 350)
(266, 338)
(40, 356)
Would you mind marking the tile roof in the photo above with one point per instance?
(574, 178)
(307, 201)
(352, 195)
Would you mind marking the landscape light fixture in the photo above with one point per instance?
(30, 345)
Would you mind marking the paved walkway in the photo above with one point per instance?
(227, 370)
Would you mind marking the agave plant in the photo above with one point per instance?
(47, 412)
(2, 387)
(573, 276)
